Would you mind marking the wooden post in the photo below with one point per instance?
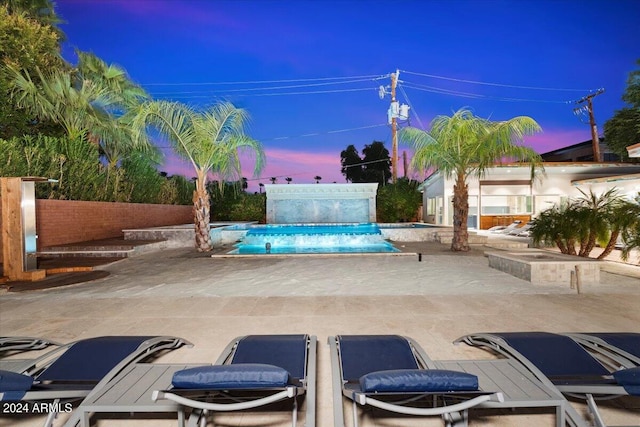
(394, 131)
(13, 242)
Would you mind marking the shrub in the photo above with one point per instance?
(398, 202)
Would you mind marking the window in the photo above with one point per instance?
(506, 205)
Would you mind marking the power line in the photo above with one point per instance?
(461, 94)
(374, 76)
(494, 84)
(267, 88)
(278, 93)
(308, 134)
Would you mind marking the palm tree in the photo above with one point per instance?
(317, 178)
(623, 217)
(462, 146)
(261, 186)
(597, 212)
(211, 141)
(88, 102)
(288, 179)
(273, 179)
(562, 225)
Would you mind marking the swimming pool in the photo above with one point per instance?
(313, 239)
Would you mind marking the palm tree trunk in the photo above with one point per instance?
(460, 241)
(202, 215)
(563, 248)
(610, 244)
(571, 247)
(591, 243)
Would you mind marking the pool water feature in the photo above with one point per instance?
(314, 238)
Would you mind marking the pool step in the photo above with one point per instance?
(110, 248)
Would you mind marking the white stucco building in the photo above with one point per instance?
(507, 193)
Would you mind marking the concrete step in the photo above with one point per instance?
(109, 248)
(447, 236)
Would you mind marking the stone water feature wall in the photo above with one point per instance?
(321, 203)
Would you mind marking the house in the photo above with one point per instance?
(507, 192)
(581, 152)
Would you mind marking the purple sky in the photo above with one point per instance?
(319, 65)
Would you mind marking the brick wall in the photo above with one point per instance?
(69, 221)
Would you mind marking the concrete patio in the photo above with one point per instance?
(209, 301)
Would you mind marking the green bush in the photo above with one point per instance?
(232, 204)
(76, 165)
(398, 202)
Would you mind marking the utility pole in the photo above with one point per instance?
(592, 123)
(394, 128)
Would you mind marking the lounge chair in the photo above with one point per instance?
(521, 231)
(11, 346)
(20, 344)
(394, 374)
(560, 362)
(253, 371)
(70, 372)
(505, 228)
(621, 348)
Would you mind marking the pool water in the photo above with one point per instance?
(314, 238)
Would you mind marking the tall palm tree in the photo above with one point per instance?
(210, 140)
(464, 145)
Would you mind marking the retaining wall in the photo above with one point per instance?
(69, 221)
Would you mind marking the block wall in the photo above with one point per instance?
(69, 221)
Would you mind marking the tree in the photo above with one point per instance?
(560, 225)
(25, 44)
(376, 163)
(462, 146)
(632, 93)
(623, 129)
(288, 179)
(351, 164)
(42, 11)
(597, 212)
(273, 179)
(317, 178)
(87, 102)
(623, 217)
(210, 140)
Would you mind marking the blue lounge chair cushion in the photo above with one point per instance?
(418, 380)
(629, 379)
(13, 385)
(236, 376)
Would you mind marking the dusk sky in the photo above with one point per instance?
(309, 72)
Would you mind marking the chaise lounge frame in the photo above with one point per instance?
(146, 388)
(510, 386)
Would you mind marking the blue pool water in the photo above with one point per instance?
(313, 238)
